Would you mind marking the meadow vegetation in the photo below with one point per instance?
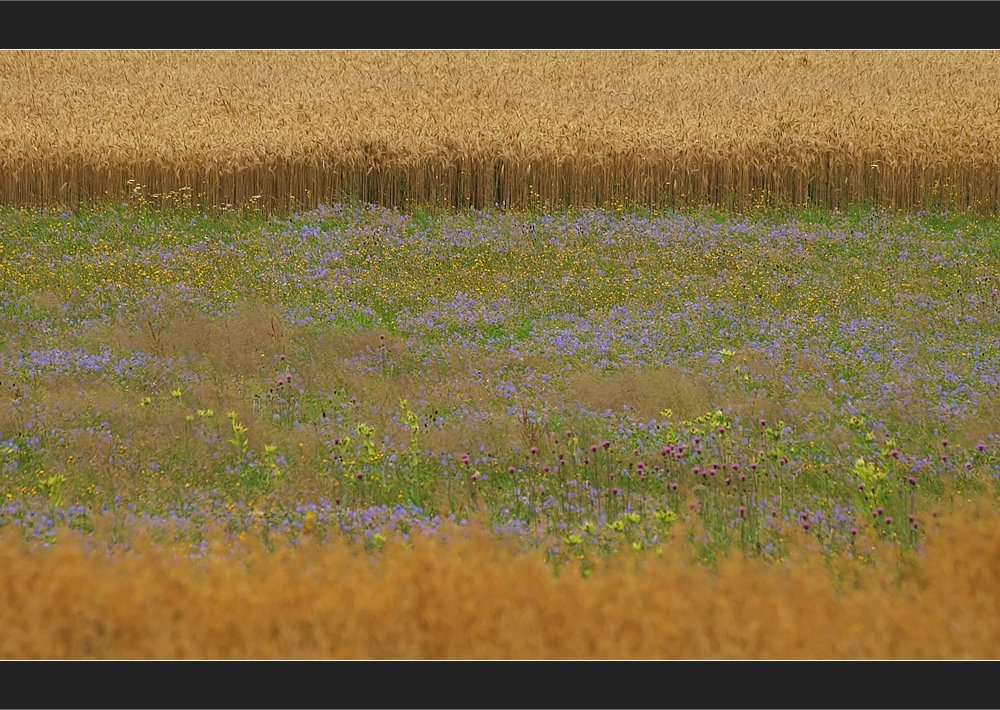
(786, 396)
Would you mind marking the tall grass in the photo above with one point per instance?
(517, 129)
(474, 597)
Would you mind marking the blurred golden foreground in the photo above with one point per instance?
(472, 596)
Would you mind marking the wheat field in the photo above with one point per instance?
(519, 129)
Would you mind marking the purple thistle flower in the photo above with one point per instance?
(511, 469)
(980, 448)
(861, 486)
(894, 453)
(888, 520)
(465, 458)
(742, 511)
(696, 470)
(673, 486)
(806, 525)
(533, 450)
(641, 465)
(944, 442)
(753, 466)
(912, 481)
(593, 448)
(854, 531)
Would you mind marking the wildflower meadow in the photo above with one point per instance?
(579, 403)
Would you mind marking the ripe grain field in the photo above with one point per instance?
(449, 129)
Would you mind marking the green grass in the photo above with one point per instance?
(861, 332)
